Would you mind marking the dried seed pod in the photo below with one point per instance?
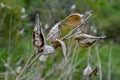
(54, 32)
(58, 43)
(73, 20)
(38, 36)
(70, 23)
(87, 71)
(86, 40)
(94, 72)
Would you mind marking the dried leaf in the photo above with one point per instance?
(38, 36)
(62, 44)
(70, 23)
(86, 40)
(54, 32)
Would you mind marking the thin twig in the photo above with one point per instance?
(72, 31)
(3, 20)
(109, 64)
(7, 65)
(6, 75)
(99, 63)
(73, 34)
(89, 13)
(89, 56)
(25, 67)
(34, 60)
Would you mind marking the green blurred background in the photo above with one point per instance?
(17, 18)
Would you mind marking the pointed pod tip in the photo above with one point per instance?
(37, 15)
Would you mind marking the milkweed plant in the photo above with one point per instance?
(72, 27)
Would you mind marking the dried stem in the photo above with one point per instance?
(65, 37)
(25, 67)
(88, 14)
(99, 63)
(109, 64)
(34, 60)
(89, 56)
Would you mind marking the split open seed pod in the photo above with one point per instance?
(85, 40)
(87, 71)
(38, 35)
(70, 23)
(54, 32)
(60, 43)
(94, 72)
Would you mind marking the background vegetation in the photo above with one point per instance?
(17, 19)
